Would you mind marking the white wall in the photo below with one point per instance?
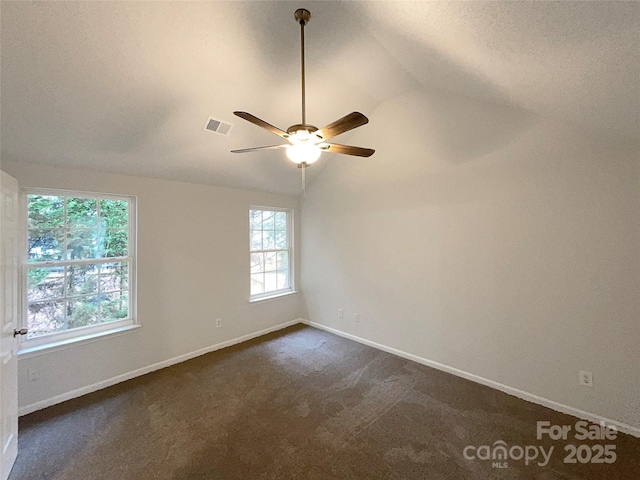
(481, 237)
(192, 268)
(489, 240)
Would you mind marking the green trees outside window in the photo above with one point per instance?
(78, 262)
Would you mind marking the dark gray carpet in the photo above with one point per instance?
(297, 404)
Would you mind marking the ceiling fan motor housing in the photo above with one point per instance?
(302, 16)
(293, 129)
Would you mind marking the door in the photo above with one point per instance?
(8, 323)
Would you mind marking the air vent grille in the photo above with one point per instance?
(218, 126)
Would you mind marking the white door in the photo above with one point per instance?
(8, 323)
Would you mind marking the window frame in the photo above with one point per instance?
(290, 248)
(56, 339)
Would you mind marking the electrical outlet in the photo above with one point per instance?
(356, 317)
(218, 322)
(340, 314)
(586, 378)
(33, 374)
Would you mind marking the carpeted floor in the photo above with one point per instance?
(298, 404)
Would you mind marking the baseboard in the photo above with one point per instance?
(148, 369)
(545, 402)
(559, 407)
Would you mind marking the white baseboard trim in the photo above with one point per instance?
(530, 397)
(148, 369)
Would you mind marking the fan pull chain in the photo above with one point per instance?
(303, 166)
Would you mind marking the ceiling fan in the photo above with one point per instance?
(307, 142)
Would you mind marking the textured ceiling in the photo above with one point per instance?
(127, 87)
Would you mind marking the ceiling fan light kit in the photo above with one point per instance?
(307, 142)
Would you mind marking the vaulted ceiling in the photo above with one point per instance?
(127, 87)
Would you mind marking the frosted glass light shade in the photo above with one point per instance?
(303, 152)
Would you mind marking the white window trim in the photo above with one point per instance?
(55, 341)
(261, 297)
(273, 294)
(34, 351)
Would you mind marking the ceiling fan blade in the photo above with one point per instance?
(261, 123)
(270, 147)
(346, 123)
(349, 150)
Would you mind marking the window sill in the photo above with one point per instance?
(272, 297)
(34, 351)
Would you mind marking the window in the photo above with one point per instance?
(80, 264)
(271, 252)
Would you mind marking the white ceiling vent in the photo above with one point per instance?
(218, 126)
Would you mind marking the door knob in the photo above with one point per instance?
(22, 331)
